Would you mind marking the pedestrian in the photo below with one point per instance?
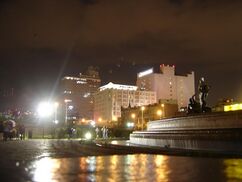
(97, 132)
(104, 131)
(6, 131)
(22, 132)
(69, 132)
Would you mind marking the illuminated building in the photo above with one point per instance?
(79, 93)
(152, 112)
(111, 97)
(233, 107)
(168, 85)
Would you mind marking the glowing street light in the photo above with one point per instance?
(159, 113)
(133, 116)
(114, 118)
(45, 109)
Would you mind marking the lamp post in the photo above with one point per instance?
(133, 117)
(163, 109)
(56, 104)
(66, 109)
(45, 110)
(142, 116)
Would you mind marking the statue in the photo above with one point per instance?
(198, 107)
(193, 106)
(203, 89)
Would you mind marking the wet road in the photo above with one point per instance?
(63, 160)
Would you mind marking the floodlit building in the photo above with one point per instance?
(167, 85)
(77, 94)
(111, 97)
(139, 116)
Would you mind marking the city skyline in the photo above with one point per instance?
(43, 41)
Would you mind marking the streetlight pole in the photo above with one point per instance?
(65, 113)
(56, 106)
(133, 117)
(66, 109)
(45, 110)
(163, 109)
(142, 116)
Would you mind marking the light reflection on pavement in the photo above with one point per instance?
(139, 167)
(63, 160)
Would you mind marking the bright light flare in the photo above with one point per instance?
(130, 125)
(88, 135)
(45, 109)
(159, 112)
(93, 123)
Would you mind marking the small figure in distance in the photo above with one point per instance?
(97, 132)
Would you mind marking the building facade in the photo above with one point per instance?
(168, 85)
(77, 94)
(112, 97)
(140, 116)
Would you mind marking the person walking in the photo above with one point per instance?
(22, 132)
(104, 132)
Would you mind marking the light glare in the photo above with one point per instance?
(45, 109)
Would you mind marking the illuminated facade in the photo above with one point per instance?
(233, 107)
(111, 97)
(150, 113)
(168, 85)
(78, 91)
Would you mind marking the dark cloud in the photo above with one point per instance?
(65, 36)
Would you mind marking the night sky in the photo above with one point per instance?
(43, 40)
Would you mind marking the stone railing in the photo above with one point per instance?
(223, 120)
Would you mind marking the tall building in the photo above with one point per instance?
(168, 85)
(77, 94)
(111, 97)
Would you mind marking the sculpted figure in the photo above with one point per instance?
(203, 89)
(193, 106)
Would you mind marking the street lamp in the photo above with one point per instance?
(142, 116)
(56, 104)
(45, 110)
(163, 109)
(66, 109)
(133, 117)
(159, 113)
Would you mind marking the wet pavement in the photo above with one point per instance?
(17, 156)
(70, 160)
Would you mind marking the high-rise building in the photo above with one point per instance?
(77, 94)
(111, 97)
(168, 85)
